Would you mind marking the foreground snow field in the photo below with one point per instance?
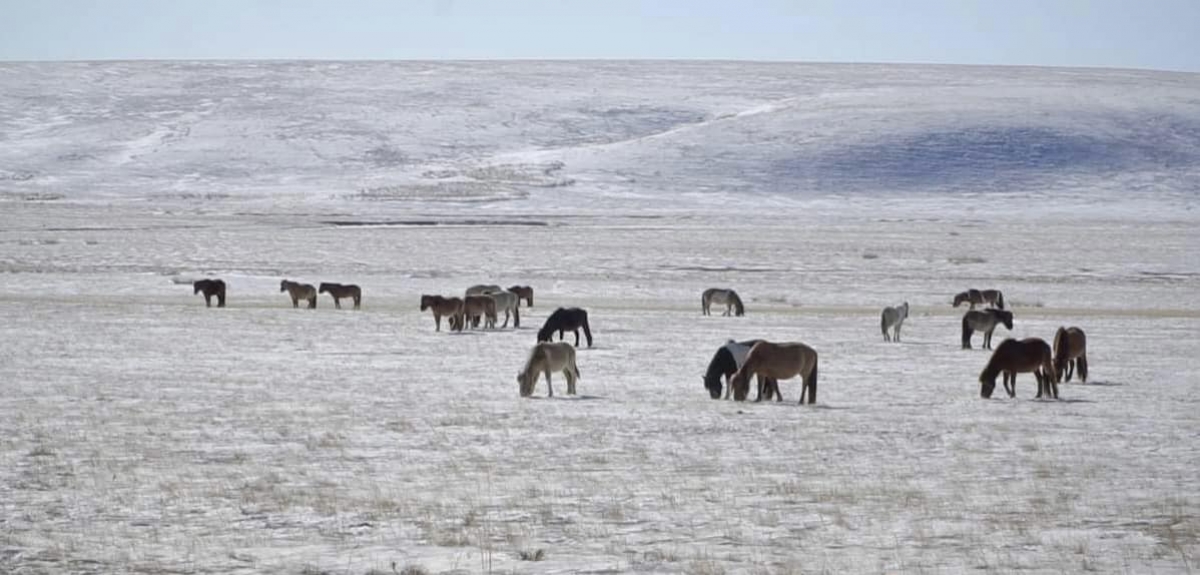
(142, 432)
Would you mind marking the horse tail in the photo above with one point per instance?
(704, 303)
(883, 324)
(517, 314)
(1081, 367)
(587, 331)
(999, 299)
(740, 309)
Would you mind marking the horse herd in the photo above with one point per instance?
(735, 361)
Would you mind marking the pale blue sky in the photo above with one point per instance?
(1157, 34)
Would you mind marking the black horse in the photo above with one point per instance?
(210, 287)
(724, 363)
(566, 319)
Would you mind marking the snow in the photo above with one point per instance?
(141, 431)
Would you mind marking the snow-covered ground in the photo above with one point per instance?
(142, 432)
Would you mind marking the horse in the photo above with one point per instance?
(523, 292)
(980, 297)
(210, 287)
(778, 361)
(339, 291)
(893, 318)
(726, 362)
(443, 306)
(1070, 350)
(566, 319)
(1014, 356)
(985, 321)
(722, 296)
(299, 291)
(475, 306)
(546, 357)
(505, 299)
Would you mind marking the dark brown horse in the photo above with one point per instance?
(1029, 355)
(339, 292)
(1070, 351)
(778, 361)
(566, 319)
(523, 292)
(450, 307)
(210, 287)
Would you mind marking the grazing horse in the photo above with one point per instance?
(299, 291)
(545, 358)
(475, 306)
(566, 319)
(980, 297)
(339, 292)
(1019, 356)
(210, 287)
(506, 300)
(450, 307)
(720, 296)
(893, 318)
(726, 362)
(985, 321)
(523, 292)
(778, 361)
(1070, 350)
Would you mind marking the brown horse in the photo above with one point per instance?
(985, 321)
(523, 292)
(1012, 356)
(980, 297)
(450, 307)
(339, 292)
(479, 305)
(210, 287)
(1070, 350)
(778, 361)
(299, 291)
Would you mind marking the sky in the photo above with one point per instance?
(1152, 34)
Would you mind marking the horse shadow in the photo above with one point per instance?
(561, 397)
(1096, 383)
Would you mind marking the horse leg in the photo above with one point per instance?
(312, 303)
(548, 386)
(570, 380)
(295, 302)
(1010, 384)
(357, 301)
(577, 337)
(896, 337)
(966, 337)
(337, 303)
(987, 339)
(1041, 381)
(758, 379)
(1070, 369)
(437, 320)
(1083, 368)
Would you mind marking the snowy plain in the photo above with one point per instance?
(142, 432)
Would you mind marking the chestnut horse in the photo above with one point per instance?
(210, 287)
(1070, 350)
(1012, 356)
(778, 361)
(523, 292)
(339, 292)
(299, 291)
(450, 307)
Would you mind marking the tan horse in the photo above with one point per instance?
(506, 300)
(523, 292)
(546, 358)
(976, 297)
(1012, 356)
(450, 307)
(299, 291)
(479, 305)
(778, 361)
(1070, 350)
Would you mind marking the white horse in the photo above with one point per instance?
(548, 357)
(720, 296)
(893, 318)
(505, 300)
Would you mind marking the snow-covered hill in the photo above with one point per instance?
(471, 131)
